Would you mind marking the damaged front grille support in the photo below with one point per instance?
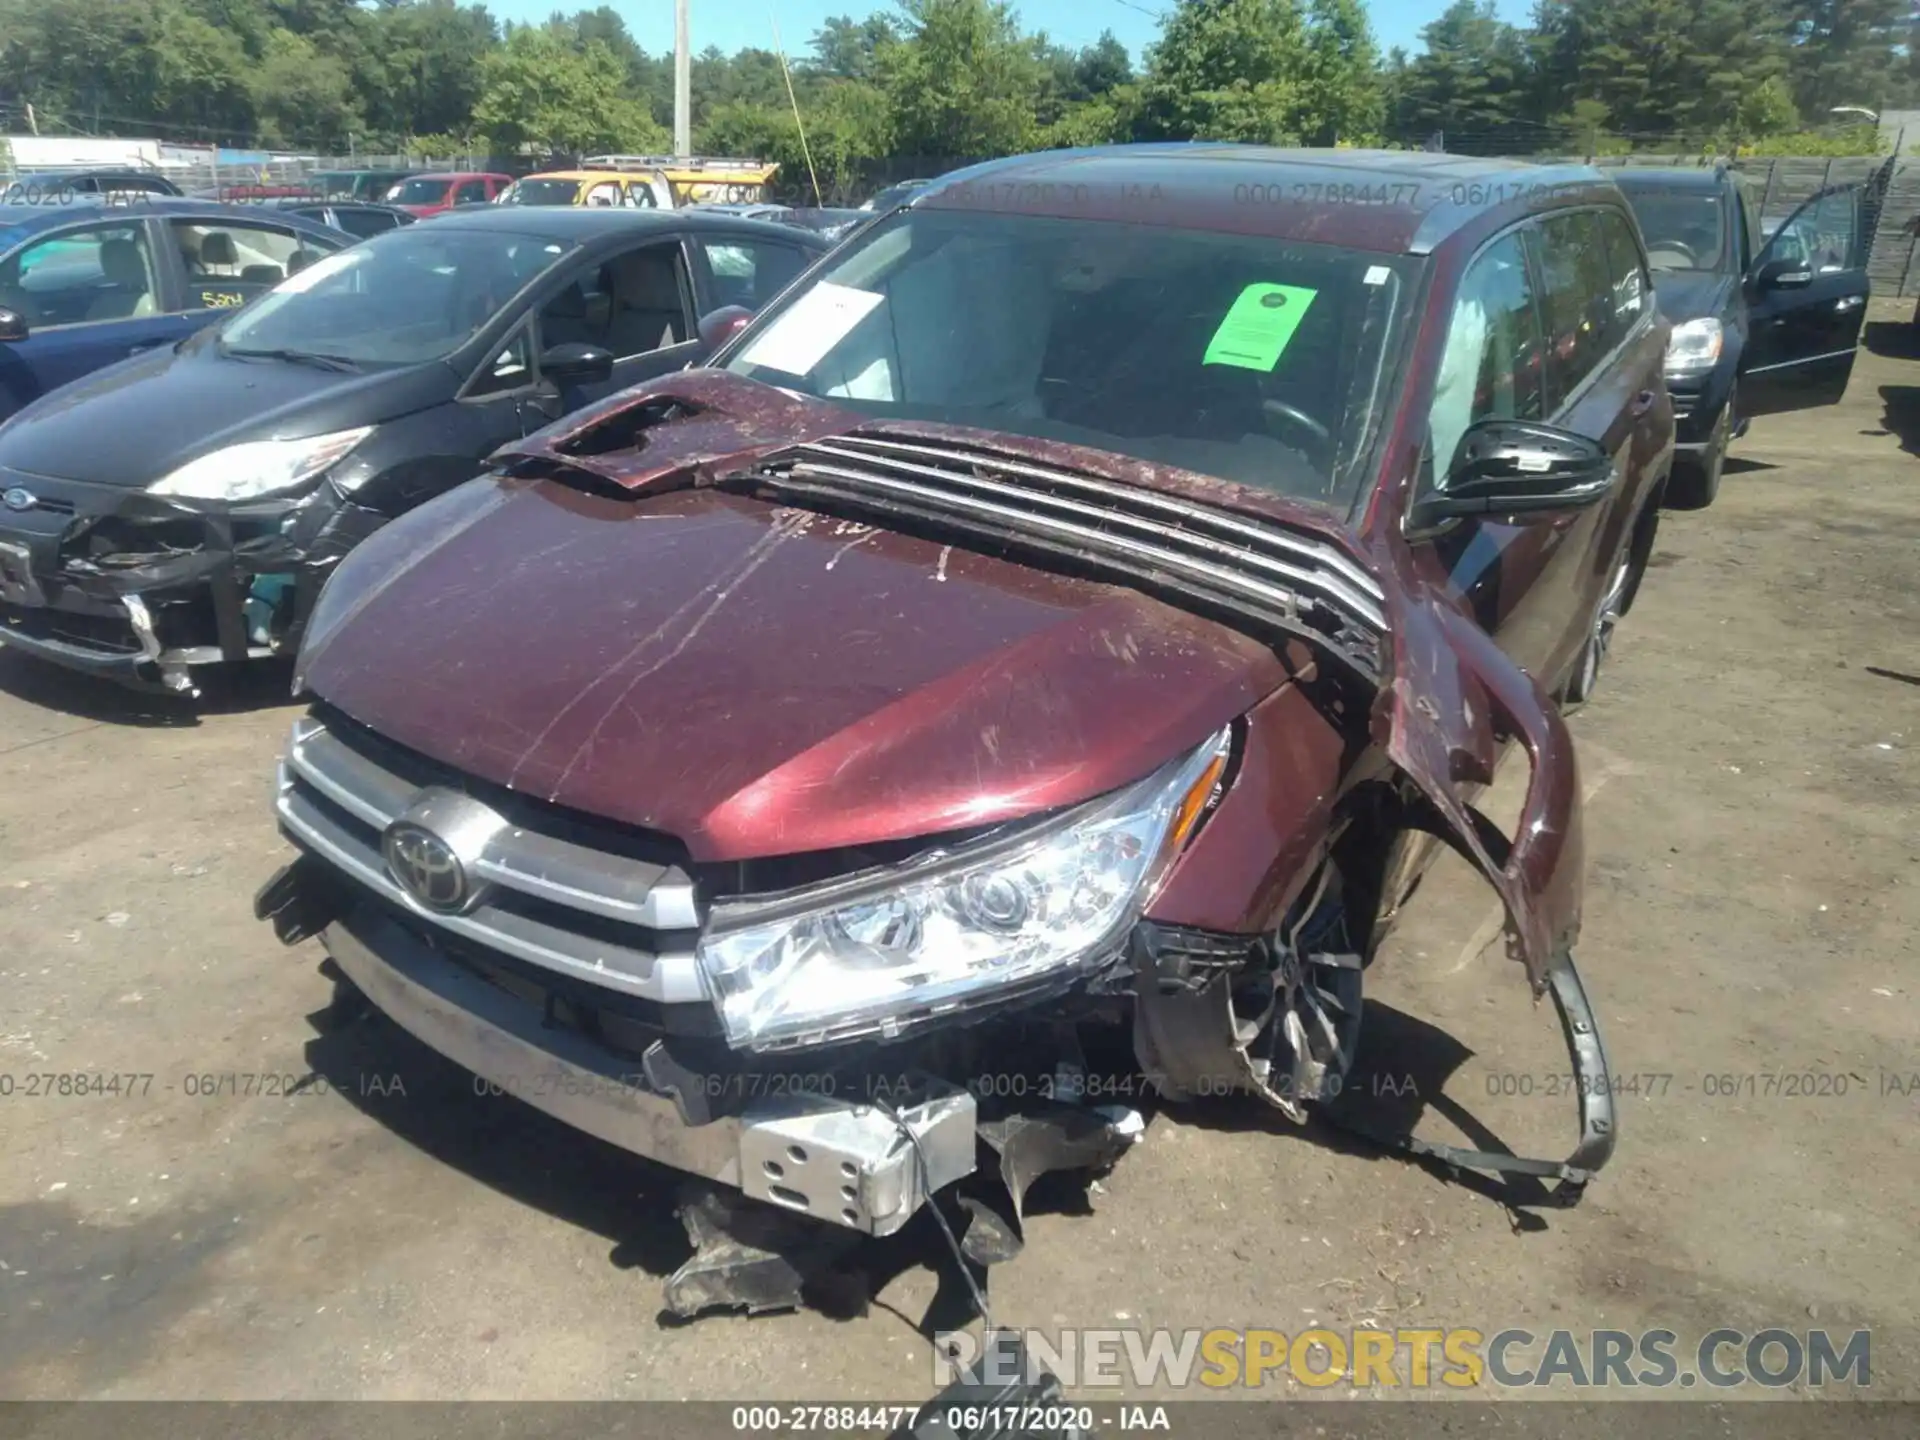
(173, 674)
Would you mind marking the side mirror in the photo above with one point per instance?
(577, 363)
(719, 326)
(13, 325)
(1783, 275)
(1512, 467)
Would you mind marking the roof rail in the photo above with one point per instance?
(672, 162)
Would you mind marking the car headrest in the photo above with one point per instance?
(122, 263)
(216, 248)
(569, 304)
(645, 280)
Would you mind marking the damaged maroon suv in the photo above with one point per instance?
(1071, 613)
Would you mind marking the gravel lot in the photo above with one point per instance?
(1753, 893)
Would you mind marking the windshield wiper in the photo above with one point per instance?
(298, 357)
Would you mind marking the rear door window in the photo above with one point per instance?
(1576, 298)
(1630, 284)
(227, 263)
(749, 272)
(363, 222)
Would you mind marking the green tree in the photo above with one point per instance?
(303, 96)
(1739, 51)
(960, 81)
(539, 93)
(846, 126)
(1057, 79)
(1343, 97)
(847, 48)
(421, 70)
(1767, 110)
(1470, 85)
(1108, 118)
(1850, 52)
(1101, 67)
(1228, 70)
(201, 75)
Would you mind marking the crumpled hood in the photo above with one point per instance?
(757, 680)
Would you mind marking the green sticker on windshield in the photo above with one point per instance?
(1256, 331)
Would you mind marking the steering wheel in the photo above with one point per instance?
(1294, 415)
(1678, 247)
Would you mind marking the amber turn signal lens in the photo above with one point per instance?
(1194, 803)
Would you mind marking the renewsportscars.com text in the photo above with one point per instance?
(1455, 1359)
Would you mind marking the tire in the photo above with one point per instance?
(1695, 483)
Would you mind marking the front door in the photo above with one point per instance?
(638, 306)
(91, 296)
(1531, 339)
(1807, 299)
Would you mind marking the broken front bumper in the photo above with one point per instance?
(851, 1161)
(136, 589)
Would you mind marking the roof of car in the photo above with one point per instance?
(25, 216)
(587, 222)
(87, 172)
(587, 175)
(458, 175)
(1671, 177)
(1392, 201)
(297, 203)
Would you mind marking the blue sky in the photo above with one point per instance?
(731, 24)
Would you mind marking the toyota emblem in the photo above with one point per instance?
(426, 867)
(20, 498)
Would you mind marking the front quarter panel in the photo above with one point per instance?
(1258, 848)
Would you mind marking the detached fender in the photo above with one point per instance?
(1450, 699)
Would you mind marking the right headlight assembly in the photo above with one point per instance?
(1018, 911)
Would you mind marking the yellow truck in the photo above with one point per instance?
(649, 181)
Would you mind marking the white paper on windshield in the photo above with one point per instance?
(319, 270)
(811, 326)
(1376, 275)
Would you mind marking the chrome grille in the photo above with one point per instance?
(1130, 528)
(594, 915)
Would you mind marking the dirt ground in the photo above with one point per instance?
(1753, 893)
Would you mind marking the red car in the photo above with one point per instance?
(1061, 625)
(426, 195)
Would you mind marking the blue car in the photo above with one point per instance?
(87, 284)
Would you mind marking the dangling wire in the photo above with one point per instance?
(926, 1188)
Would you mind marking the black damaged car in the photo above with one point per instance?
(181, 510)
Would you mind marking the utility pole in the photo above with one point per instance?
(682, 83)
